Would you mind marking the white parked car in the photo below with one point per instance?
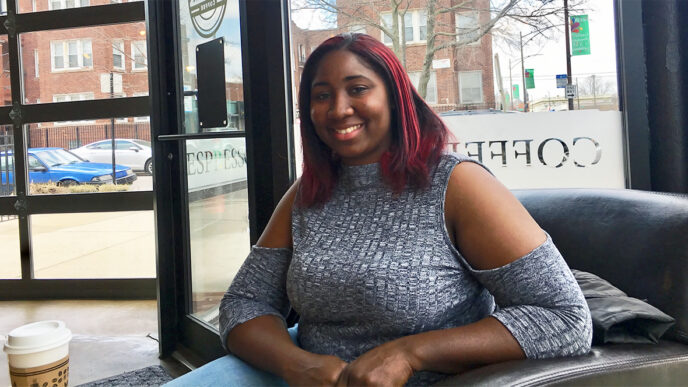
(133, 153)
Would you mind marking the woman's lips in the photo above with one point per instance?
(347, 133)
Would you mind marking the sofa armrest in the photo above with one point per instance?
(600, 361)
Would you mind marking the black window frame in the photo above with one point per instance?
(19, 114)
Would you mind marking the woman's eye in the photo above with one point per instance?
(321, 96)
(358, 90)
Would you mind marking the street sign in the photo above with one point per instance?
(441, 64)
(562, 80)
(530, 79)
(580, 35)
(571, 91)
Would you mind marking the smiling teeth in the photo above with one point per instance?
(348, 130)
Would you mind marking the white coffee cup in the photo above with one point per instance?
(38, 353)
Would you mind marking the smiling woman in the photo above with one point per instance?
(350, 109)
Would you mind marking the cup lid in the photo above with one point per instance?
(37, 337)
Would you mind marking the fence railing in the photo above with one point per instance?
(70, 137)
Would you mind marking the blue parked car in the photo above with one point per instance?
(63, 167)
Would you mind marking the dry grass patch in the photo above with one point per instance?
(52, 188)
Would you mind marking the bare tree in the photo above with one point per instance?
(596, 85)
(538, 20)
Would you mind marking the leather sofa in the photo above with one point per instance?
(636, 240)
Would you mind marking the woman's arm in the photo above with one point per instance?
(253, 309)
(543, 312)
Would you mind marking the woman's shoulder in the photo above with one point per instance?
(447, 164)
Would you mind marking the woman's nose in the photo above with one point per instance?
(340, 107)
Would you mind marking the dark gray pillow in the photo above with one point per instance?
(617, 318)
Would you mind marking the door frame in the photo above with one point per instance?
(269, 151)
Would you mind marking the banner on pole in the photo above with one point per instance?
(514, 89)
(530, 79)
(580, 35)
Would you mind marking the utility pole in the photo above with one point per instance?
(112, 126)
(577, 94)
(594, 92)
(523, 76)
(567, 31)
(511, 87)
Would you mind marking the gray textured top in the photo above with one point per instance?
(370, 266)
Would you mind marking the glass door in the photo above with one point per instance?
(219, 136)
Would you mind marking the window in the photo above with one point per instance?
(63, 4)
(145, 118)
(73, 97)
(357, 29)
(467, 28)
(431, 95)
(34, 164)
(302, 53)
(471, 86)
(35, 63)
(415, 26)
(71, 54)
(138, 55)
(118, 54)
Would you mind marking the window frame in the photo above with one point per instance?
(433, 76)
(482, 93)
(458, 29)
(119, 45)
(65, 55)
(63, 4)
(134, 50)
(417, 15)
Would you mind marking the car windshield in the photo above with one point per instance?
(142, 142)
(56, 157)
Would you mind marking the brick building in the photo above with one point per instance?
(461, 77)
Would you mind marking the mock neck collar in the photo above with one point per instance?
(359, 176)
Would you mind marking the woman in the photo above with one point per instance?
(392, 252)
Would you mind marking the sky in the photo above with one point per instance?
(546, 61)
(552, 58)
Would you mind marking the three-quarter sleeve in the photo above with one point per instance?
(258, 289)
(540, 303)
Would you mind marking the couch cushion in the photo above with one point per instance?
(636, 240)
(601, 360)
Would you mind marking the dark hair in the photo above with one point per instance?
(418, 134)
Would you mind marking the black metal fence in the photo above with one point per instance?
(74, 136)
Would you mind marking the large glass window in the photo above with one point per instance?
(499, 80)
(94, 245)
(7, 186)
(76, 157)
(228, 28)
(84, 63)
(10, 265)
(218, 217)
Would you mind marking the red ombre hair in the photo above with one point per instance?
(418, 135)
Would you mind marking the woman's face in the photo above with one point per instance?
(350, 108)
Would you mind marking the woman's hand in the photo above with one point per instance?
(316, 370)
(390, 364)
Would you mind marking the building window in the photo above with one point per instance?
(71, 54)
(431, 94)
(471, 86)
(118, 55)
(73, 97)
(63, 4)
(357, 29)
(35, 63)
(415, 26)
(468, 28)
(138, 55)
(144, 118)
(302, 53)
